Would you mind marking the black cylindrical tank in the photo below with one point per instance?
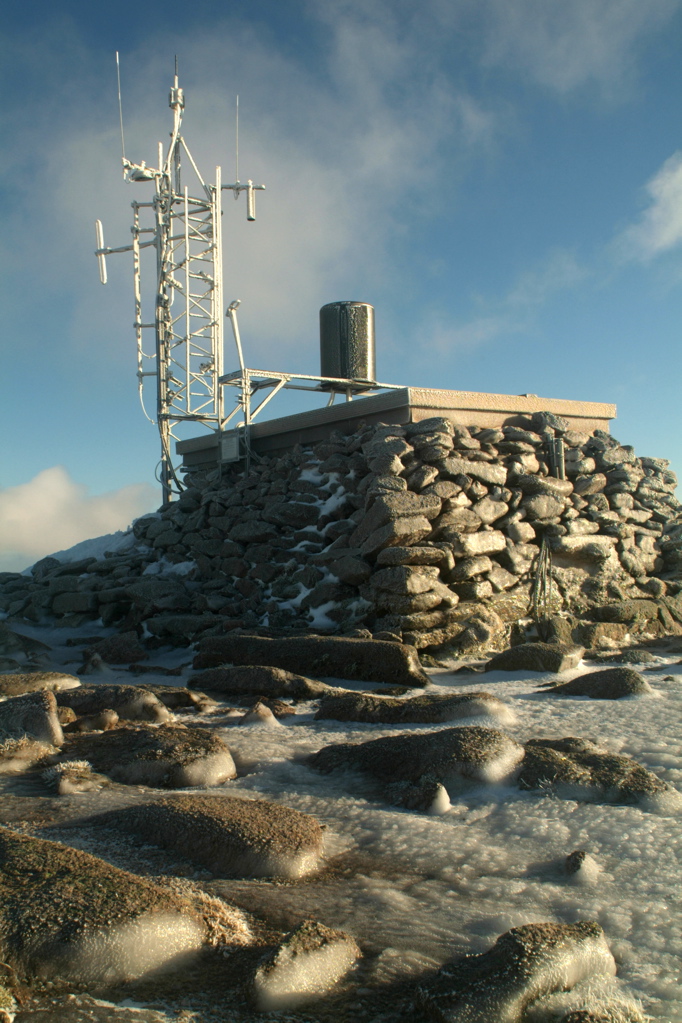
(347, 341)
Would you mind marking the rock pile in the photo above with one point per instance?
(403, 530)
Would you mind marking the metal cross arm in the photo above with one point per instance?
(250, 189)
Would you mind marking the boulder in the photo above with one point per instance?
(468, 545)
(579, 769)
(36, 681)
(450, 756)
(179, 697)
(19, 754)
(486, 472)
(626, 611)
(123, 648)
(405, 579)
(232, 837)
(165, 756)
(131, 703)
(93, 722)
(610, 684)
(12, 642)
(305, 965)
(401, 532)
(427, 708)
(34, 714)
(362, 659)
(258, 680)
(523, 965)
(554, 657)
(434, 555)
(68, 916)
(72, 777)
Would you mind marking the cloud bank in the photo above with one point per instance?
(51, 513)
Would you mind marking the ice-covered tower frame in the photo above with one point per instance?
(185, 230)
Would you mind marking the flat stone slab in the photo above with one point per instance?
(554, 657)
(230, 836)
(66, 915)
(131, 703)
(428, 708)
(258, 680)
(523, 965)
(480, 755)
(35, 681)
(580, 769)
(167, 756)
(610, 684)
(370, 660)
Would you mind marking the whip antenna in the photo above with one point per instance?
(120, 108)
(236, 144)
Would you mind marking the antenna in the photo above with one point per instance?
(100, 253)
(120, 111)
(182, 311)
(237, 187)
(236, 146)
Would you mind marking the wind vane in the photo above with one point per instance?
(184, 228)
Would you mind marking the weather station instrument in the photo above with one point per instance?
(182, 223)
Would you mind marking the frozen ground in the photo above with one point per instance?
(414, 889)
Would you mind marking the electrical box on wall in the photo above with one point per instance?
(229, 447)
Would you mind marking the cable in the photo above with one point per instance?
(541, 592)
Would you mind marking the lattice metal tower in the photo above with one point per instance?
(184, 227)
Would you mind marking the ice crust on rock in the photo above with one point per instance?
(100, 924)
(33, 714)
(166, 756)
(523, 965)
(19, 754)
(308, 962)
(233, 837)
(555, 657)
(610, 684)
(450, 756)
(130, 702)
(34, 681)
(580, 769)
(250, 680)
(427, 708)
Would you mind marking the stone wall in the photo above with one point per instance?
(406, 530)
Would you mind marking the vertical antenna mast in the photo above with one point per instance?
(182, 223)
(236, 143)
(120, 111)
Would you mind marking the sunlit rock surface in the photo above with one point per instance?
(33, 714)
(229, 836)
(523, 965)
(129, 702)
(307, 963)
(67, 915)
(450, 756)
(435, 708)
(167, 756)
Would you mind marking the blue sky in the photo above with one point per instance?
(501, 179)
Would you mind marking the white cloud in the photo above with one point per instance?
(514, 312)
(51, 513)
(568, 44)
(347, 151)
(659, 228)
